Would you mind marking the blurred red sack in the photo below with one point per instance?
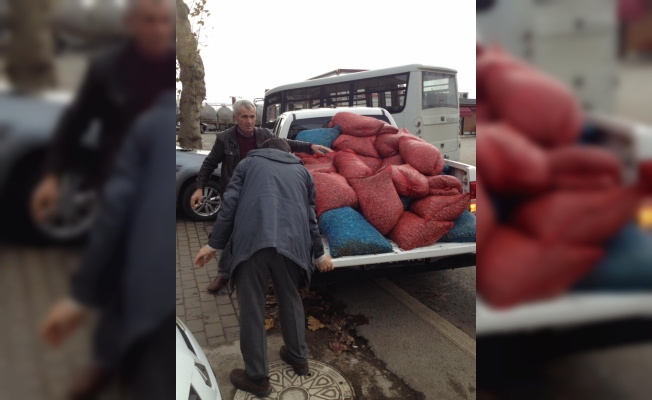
(409, 182)
(441, 208)
(333, 191)
(315, 158)
(412, 231)
(387, 129)
(444, 185)
(516, 269)
(356, 125)
(584, 167)
(326, 168)
(393, 160)
(511, 164)
(586, 217)
(373, 163)
(387, 145)
(541, 108)
(423, 156)
(363, 146)
(379, 201)
(350, 166)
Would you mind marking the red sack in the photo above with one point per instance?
(533, 103)
(412, 231)
(326, 168)
(350, 166)
(363, 146)
(511, 164)
(379, 201)
(423, 156)
(444, 185)
(583, 167)
(387, 129)
(409, 182)
(516, 268)
(441, 208)
(393, 160)
(387, 144)
(373, 163)
(485, 218)
(315, 158)
(356, 125)
(588, 217)
(333, 191)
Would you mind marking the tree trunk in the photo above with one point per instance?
(191, 75)
(30, 53)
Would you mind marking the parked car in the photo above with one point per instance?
(27, 122)
(188, 164)
(194, 375)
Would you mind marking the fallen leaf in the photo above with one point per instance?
(337, 347)
(314, 324)
(346, 339)
(269, 324)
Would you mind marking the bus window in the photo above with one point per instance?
(439, 90)
(273, 109)
(301, 99)
(336, 95)
(388, 92)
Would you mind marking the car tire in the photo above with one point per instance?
(208, 210)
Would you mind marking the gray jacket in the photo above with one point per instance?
(270, 202)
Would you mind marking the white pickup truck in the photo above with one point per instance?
(429, 258)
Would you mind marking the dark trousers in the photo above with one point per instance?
(251, 286)
(223, 268)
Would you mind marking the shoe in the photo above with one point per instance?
(89, 383)
(299, 369)
(259, 387)
(217, 284)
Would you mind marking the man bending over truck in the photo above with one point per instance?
(232, 146)
(269, 208)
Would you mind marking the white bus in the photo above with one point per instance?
(421, 98)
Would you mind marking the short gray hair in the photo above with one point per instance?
(132, 5)
(246, 103)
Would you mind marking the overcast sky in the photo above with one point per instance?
(258, 45)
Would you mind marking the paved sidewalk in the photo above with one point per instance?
(213, 319)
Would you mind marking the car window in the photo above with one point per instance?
(320, 122)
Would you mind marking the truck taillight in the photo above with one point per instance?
(472, 190)
(472, 204)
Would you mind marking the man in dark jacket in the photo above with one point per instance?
(232, 146)
(119, 85)
(269, 208)
(136, 297)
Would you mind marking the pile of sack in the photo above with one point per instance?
(549, 205)
(379, 182)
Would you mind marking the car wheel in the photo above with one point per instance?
(209, 207)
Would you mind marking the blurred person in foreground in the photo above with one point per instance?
(269, 207)
(231, 147)
(554, 211)
(119, 85)
(135, 299)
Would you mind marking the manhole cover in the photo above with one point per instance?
(323, 382)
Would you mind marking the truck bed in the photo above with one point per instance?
(433, 251)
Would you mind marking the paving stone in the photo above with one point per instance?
(202, 278)
(209, 307)
(213, 330)
(201, 338)
(188, 276)
(229, 321)
(190, 292)
(192, 302)
(226, 309)
(216, 340)
(211, 318)
(181, 310)
(222, 299)
(193, 313)
(232, 333)
(196, 325)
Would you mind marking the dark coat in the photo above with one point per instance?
(270, 202)
(227, 151)
(118, 87)
(136, 225)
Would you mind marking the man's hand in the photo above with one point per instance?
(326, 265)
(319, 149)
(63, 320)
(204, 256)
(45, 197)
(196, 199)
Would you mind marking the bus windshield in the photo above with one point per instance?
(439, 90)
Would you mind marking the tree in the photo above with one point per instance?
(191, 74)
(30, 53)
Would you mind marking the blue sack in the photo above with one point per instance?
(627, 265)
(407, 202)
(322, 136)
(463, 230)
(350, 234)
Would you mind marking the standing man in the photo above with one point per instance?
(269, 208)
(119, 85)
(231, 146)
